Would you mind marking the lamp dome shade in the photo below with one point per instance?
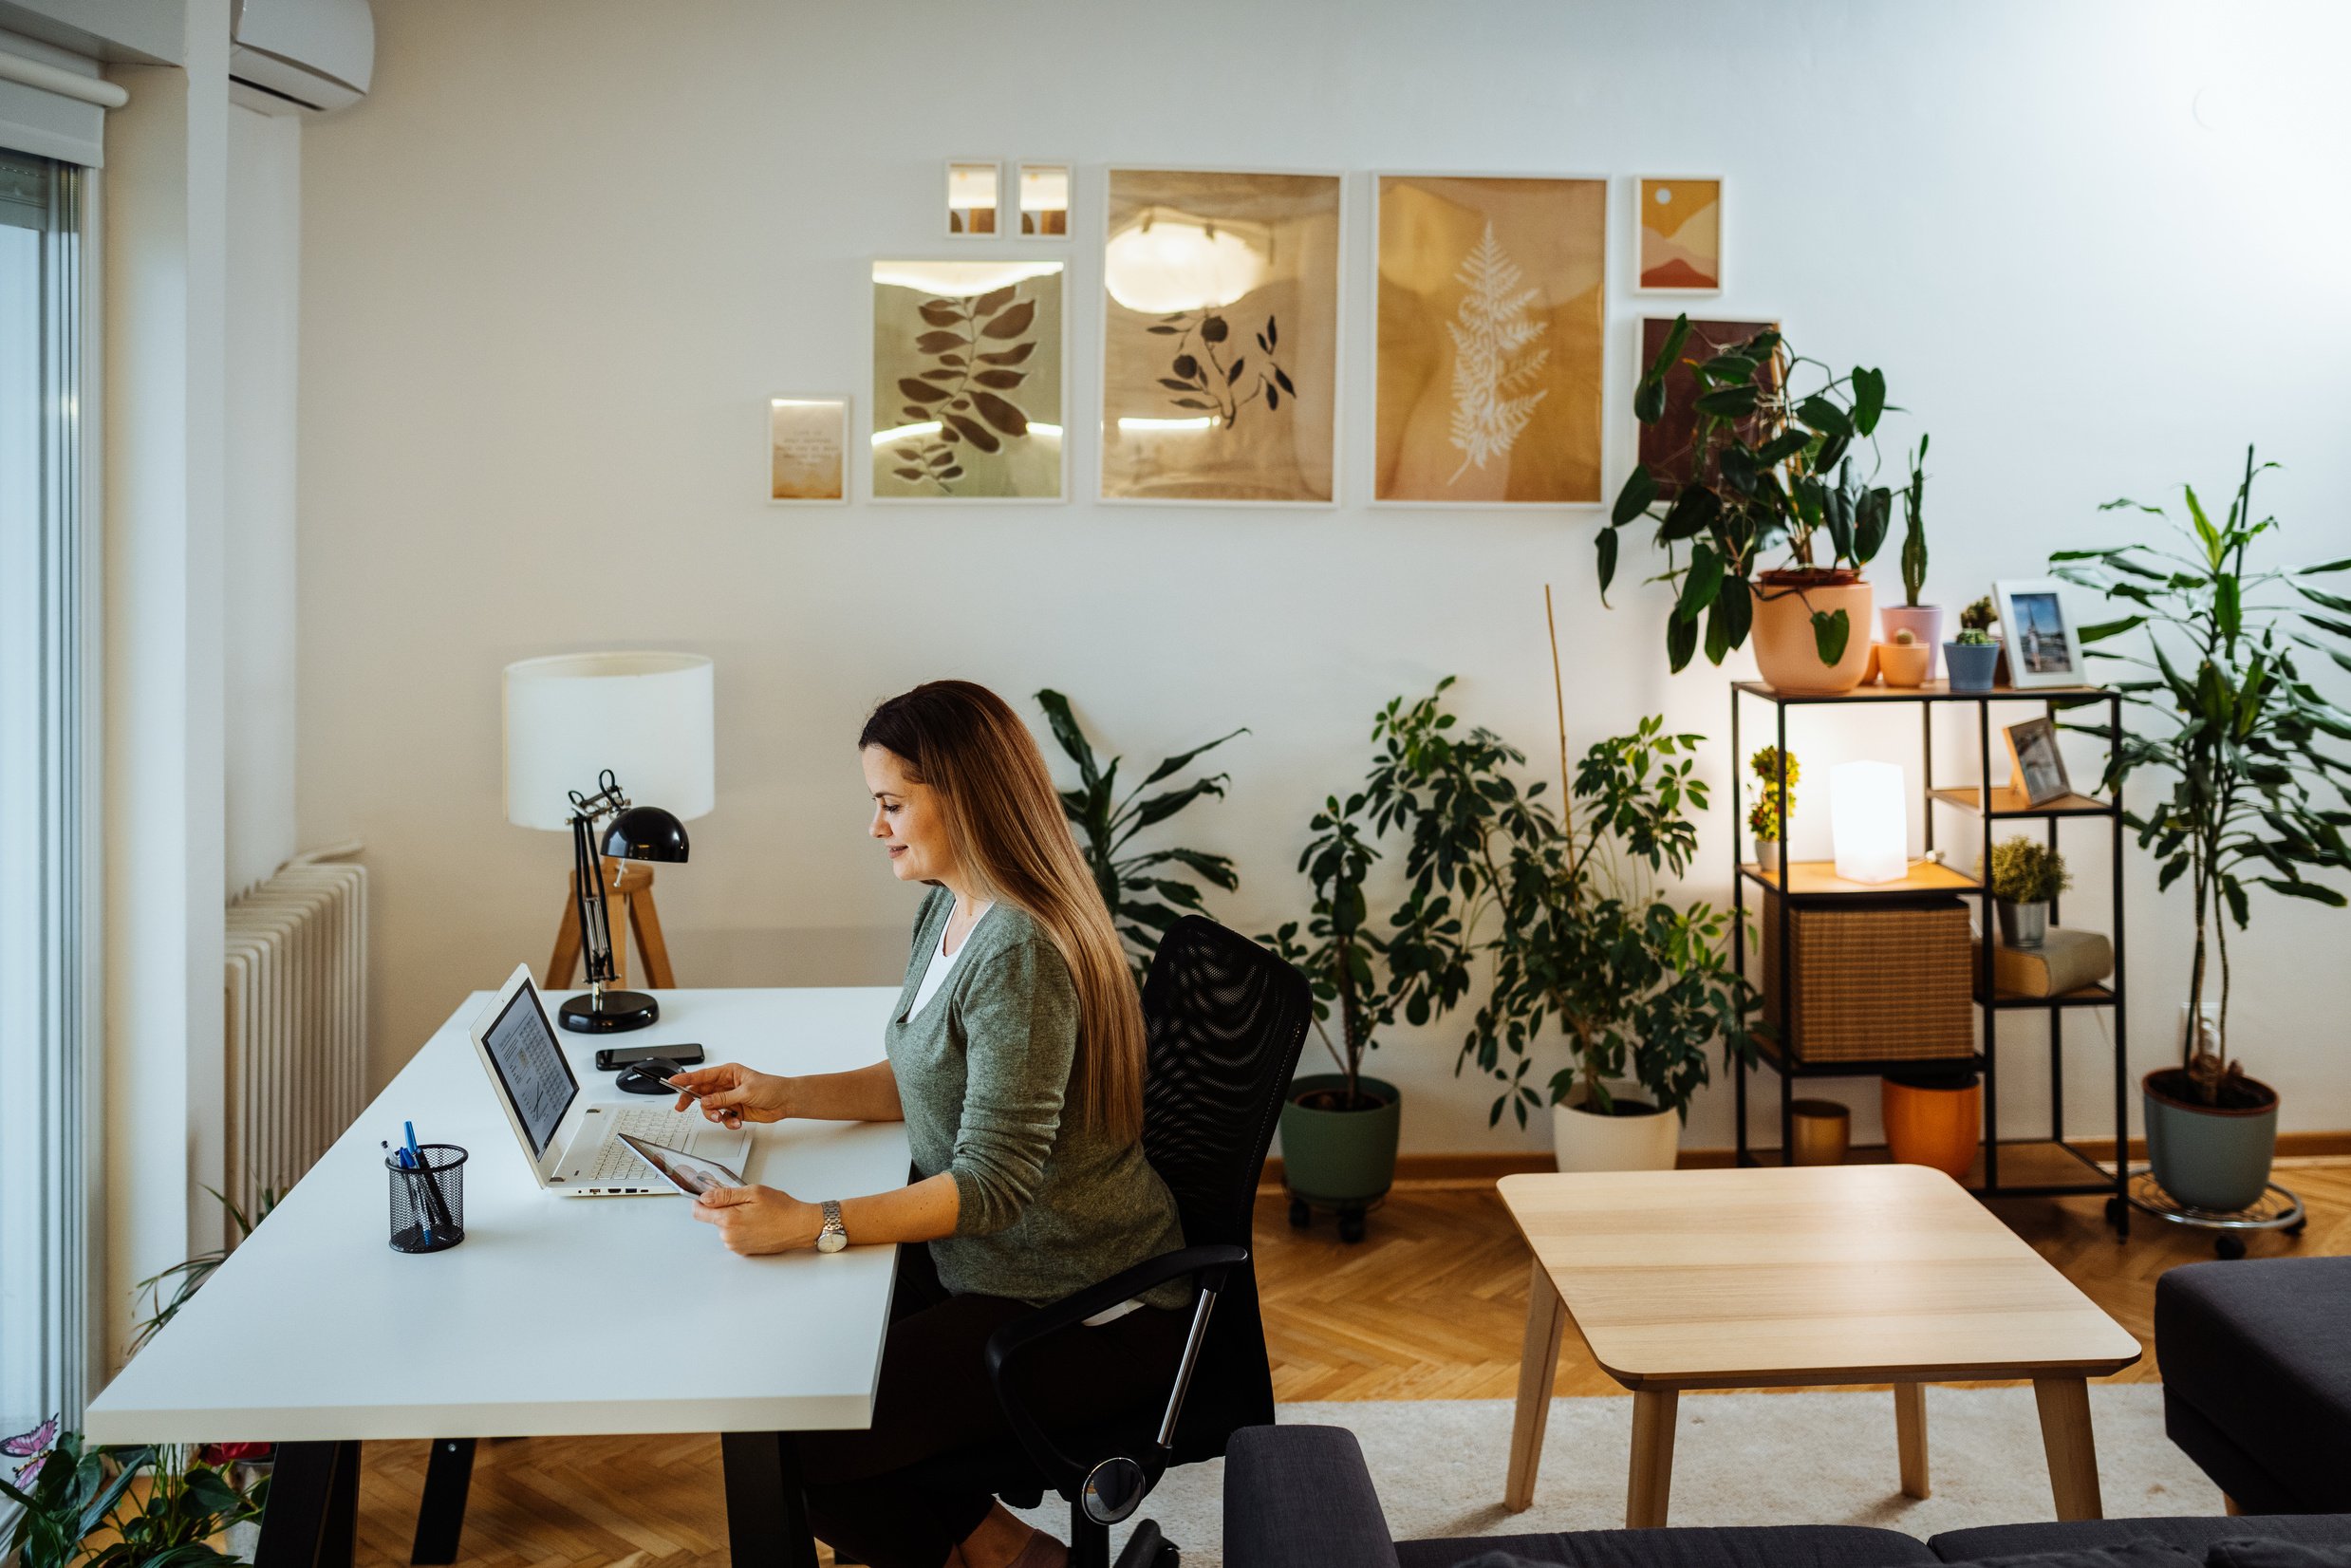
(648, 717)
(646, 833)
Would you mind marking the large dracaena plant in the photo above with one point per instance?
(1768, 464)
(1565, 911)
(1146, 891)
(2258, 794)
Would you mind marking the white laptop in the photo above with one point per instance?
(574, 1149)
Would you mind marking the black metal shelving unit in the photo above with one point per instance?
(1811, 883)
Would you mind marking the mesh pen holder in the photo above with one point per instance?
(428, 1205)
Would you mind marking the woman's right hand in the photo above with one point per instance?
(733, 1093)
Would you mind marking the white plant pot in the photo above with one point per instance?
(1584, 1140)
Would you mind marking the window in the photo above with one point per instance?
(45, 1006)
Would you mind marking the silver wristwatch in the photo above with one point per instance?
(832, 1237)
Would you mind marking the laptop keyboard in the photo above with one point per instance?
(655, 1125)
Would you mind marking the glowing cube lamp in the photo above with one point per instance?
(1868, 821)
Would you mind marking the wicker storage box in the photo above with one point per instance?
(1873, 982)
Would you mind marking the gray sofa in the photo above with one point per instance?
(1300, 1497)
(2256, 1362)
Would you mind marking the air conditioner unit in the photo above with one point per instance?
(304, 54)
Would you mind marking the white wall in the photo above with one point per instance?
(555, 264)
(264, 294)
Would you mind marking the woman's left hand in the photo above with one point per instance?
(752, 1221)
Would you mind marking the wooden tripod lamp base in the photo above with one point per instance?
(628, 893)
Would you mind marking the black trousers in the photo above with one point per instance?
(935, 1398)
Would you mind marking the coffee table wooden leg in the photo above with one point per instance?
(1910, 1430)
(2073, 1453)
(1653, 1410)
(1538, 1361)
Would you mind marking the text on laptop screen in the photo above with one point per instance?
(532, 1071)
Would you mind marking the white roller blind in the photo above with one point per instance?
(52, 105)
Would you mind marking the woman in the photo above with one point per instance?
(1014, 1057)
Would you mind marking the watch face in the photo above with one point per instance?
(831, 1241)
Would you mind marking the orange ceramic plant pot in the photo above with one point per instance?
(1904, 664)
(1934, 1118)
(1787, 654)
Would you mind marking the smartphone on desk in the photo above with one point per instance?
(613, 1058)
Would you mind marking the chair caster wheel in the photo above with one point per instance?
(2231, 1247)
(1301, 1215)
(1350, 1225)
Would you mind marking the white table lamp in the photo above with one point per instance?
(1869, 822)
(626, 736)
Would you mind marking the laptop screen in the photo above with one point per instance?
(533, 1074)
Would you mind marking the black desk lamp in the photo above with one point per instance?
(637, 833)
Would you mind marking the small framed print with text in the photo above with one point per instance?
(808, 451)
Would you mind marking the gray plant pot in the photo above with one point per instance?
(1971, 664)
(2022, 925)
(1340, 1157)
(2208, 1159)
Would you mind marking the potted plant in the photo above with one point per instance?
(1339, 1130)
(1972, 658)
(1904, 660)
(1566, 911)
(1763, 819)
(2253, 752)
(1767, 466)
(1923, 621)
(2025, 877)
(69, 1493)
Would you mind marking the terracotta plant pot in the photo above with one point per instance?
(1787, 654)
(1906, 663)
(1584, 1140)
(2209, 1157)
(1935, 1116)
(1925, 623)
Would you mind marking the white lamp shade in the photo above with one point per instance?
(1868, 821)
(646, 716)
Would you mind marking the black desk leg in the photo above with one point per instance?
(440, 1517)
(766, 1515)
(312, 1516)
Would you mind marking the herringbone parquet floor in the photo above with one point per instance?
(1428, 1306)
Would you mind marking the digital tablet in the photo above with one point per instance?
(689, 1173)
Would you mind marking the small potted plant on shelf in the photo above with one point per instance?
(2252, 747)
(2025, 877)
(1924, 623)
(1763, 816)
(1904, 661)
(1767, 466)
(1972, 658)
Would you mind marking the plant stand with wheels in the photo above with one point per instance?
(1351, 1213)
(2278, 1209)
(2054, 1165)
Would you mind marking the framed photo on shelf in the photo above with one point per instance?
(808, 451)
(2043, 642)
(2036, 767)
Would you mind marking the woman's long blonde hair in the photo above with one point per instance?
(1005, 824)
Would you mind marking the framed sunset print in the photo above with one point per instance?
(1679, 229)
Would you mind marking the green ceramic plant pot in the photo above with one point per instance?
(2207, 1158)
(1334, 1156)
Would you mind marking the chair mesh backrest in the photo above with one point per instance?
(1225, 1020)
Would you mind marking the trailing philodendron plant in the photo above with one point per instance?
(1767, 466)
(1146, 891)
(2259, 786)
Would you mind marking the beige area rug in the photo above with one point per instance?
(1825, 1458)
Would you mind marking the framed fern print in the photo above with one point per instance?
(1490, 337)
(1219, 336)
(967, 381)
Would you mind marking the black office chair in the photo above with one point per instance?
(1225, 1020)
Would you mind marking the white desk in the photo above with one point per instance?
(315, 1333)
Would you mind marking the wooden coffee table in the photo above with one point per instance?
(1805, 1276)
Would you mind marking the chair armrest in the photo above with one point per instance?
(1300, 1497)
(1065, 1473)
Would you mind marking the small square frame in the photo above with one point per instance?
(1722, 233)
(2036, 737)
(2020, 675)
(996, 165)
(1019, 207)
(847, 472)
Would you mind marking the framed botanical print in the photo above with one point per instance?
(1219, 336)
(1489, 340)
(967, 393)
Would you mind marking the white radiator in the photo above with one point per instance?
(297, 1023)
